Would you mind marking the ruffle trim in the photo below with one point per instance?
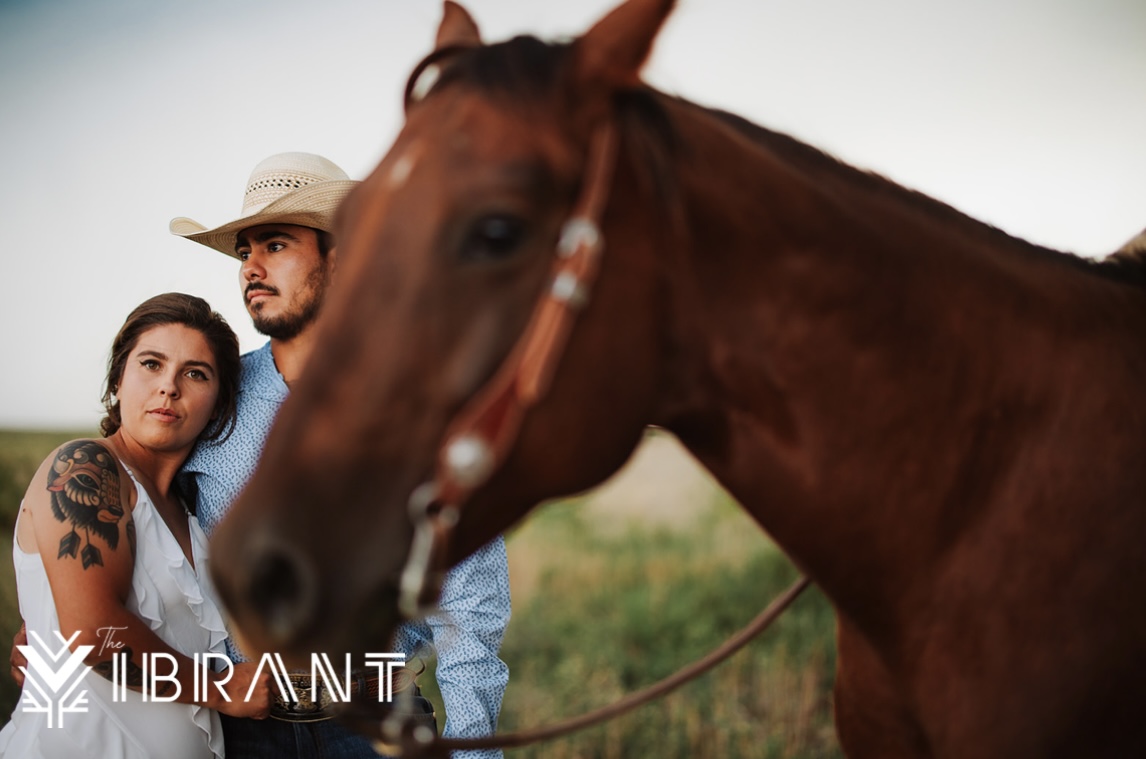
(194, 586)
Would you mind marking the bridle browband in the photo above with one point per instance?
(481, 435)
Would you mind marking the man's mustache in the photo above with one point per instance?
(258, 286)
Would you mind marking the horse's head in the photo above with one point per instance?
(444, 254)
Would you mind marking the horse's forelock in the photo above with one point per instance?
(523, 67)
(526, 70)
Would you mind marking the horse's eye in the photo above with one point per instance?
(493, 238)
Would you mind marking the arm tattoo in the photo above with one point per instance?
(84, 487)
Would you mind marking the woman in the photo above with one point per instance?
(106, 550)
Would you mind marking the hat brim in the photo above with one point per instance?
(311, 206)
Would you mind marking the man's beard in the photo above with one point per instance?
(288, 326)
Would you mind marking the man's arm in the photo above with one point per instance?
(467, 636)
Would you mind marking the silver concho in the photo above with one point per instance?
(469, 459)
(568, 289)
(578, 231)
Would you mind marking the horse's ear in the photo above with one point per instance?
(614, 50)
(457, 27)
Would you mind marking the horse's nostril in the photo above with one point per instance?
(282, 592)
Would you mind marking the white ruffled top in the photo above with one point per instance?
(178, 602)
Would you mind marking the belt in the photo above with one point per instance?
(363, 689)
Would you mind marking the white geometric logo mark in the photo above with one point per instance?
(54, 680)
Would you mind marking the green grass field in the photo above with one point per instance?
(622, 610)
(612, 592)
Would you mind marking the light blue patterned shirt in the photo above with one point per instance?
(475, 596)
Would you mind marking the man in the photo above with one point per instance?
(287, 253)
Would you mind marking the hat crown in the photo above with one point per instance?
(282, 174)
(302, 189)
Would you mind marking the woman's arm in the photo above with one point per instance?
(80, 502)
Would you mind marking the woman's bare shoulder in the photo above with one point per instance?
(85, 472)
(75, 460)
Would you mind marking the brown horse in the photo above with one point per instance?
(943, 426)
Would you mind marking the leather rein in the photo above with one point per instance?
(479, 439)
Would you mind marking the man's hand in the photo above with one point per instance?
(18, 659)
(242, 681)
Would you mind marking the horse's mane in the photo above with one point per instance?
(526, 69)
(1128, 264)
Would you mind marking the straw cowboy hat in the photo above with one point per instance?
(288, 188)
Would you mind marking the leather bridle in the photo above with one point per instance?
(480, 437)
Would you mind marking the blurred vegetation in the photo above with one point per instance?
(615, 610)
(21, 453)
(604, 607)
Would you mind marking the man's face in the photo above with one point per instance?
(283, 277)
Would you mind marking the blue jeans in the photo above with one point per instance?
(276, 739)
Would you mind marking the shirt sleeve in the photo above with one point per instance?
(466, 636)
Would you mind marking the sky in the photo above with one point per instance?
(118, 115)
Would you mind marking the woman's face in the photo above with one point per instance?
(169, 387)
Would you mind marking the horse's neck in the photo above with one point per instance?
(820, 324)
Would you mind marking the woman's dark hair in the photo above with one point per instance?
(193, 312)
